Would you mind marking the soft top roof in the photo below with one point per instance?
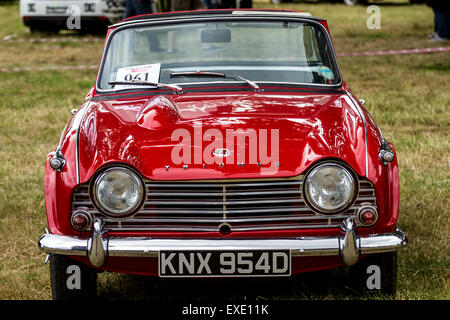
(253, 12)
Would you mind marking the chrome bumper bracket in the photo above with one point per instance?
(97, 246)
(349, 244)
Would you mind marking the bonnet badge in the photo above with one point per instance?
(222, 153)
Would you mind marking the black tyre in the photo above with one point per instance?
(375, 274)
(95, 28)
(34, 29)
(71, 280)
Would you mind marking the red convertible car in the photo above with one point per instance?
(221, 144)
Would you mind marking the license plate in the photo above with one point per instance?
(56, 10)
(224, 263)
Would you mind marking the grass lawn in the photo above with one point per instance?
(407, 95)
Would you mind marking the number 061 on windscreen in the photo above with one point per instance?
(146, 72)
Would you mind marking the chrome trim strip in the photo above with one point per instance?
(82, 203)
(229, 220)
(220, 185)
(162, 18)
(318, 246)
(366, 198)
(217, 203)
(248, 68)
(329, 216)
(61, 137)
(203, 203)
(219, 212)
(246, 180)
(241, 82)
(77, 156)
(220, 194)
(235, 229)
(363, 119)
(79, 119)
(262, 12)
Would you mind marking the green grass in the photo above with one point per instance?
(407, 95)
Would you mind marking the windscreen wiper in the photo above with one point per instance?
(147, 83)
(201, 73)
(198, 73)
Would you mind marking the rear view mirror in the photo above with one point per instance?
(216, 36)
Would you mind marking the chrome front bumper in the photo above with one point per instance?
(348, 245)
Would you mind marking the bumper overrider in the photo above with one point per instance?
(347, 245)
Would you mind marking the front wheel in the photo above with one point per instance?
(71, 280)
(376, 273)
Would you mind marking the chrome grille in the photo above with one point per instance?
(248, 205)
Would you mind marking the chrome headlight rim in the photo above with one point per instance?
(352, 198)
(93, 188)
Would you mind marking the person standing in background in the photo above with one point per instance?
(154, 6)
(441, 10)
(181, 5)
(212, 4)
(137, 7)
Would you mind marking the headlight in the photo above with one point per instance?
(118, 192)
(329, 187)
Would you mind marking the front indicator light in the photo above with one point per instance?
(81, 220)
(367, 216)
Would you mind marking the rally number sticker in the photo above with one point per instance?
(147, 73)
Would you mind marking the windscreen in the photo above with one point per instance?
(274, 51)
